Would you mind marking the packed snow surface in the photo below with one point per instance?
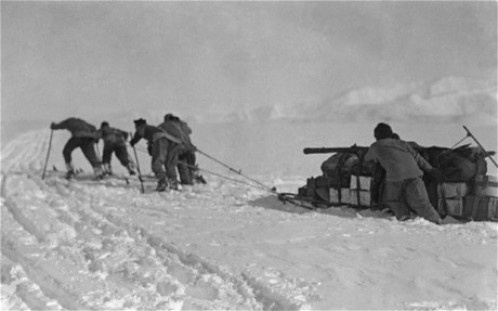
(84, 245)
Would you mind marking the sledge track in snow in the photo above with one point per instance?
(56, 228)
(26, 153)
(192, 279)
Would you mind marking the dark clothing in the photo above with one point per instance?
(181, 131)
(87, 146)
(120, 151)
(112, 135)
(149, 133)
(83, 135)
(164, 155)
(186, 165)
(164, 152)
(377, 186)
(77, 127)
(114, 141)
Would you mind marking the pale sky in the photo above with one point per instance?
(88, 59)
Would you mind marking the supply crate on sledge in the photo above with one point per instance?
(481, 204)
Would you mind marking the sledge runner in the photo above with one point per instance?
(84, 136)
(404, 188)
(164, 153)
(187, 160)
(114, 141)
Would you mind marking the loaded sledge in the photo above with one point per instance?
(466, 194)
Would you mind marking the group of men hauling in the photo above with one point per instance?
(171, 149)
(168, 144)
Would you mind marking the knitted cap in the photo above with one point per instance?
(383, 130)
(139, 122)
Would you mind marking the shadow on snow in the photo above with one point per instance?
(272, 202)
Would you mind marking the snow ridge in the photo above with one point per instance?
(113, 262)
(447, 98)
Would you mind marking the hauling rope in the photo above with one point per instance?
(257, 186)
(282, 196)
(239, 172)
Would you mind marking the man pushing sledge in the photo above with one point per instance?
(404, 188)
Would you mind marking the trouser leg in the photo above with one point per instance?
(122, 154)
(124, 158)
(184, 171)
(191, 161)
(106, 158)
(418, 200)
(69, 147)
(394, 199)
(107, 153)
(378, 177)
(172, 160)
(159, 151)
(88, 149)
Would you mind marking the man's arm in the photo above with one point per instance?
(59, 126)
(136, 138)
(371, 155)
(99, 135)
(422, 163)
(122, 133)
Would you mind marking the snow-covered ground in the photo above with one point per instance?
(225, 245)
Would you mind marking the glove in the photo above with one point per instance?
(52, 125)
(437, 175)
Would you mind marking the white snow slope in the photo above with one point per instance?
(82, 245)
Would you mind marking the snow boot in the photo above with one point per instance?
(173, 185)
(200, 179)
(107, 169)
(70, 174)
(162, 184)
(70, 171)
(98, 173)
(131, 169)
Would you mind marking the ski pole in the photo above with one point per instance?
(48, 153)
(138, 169)
(234, 170)
(478, 143)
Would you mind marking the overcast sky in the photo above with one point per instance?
(88, 59)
